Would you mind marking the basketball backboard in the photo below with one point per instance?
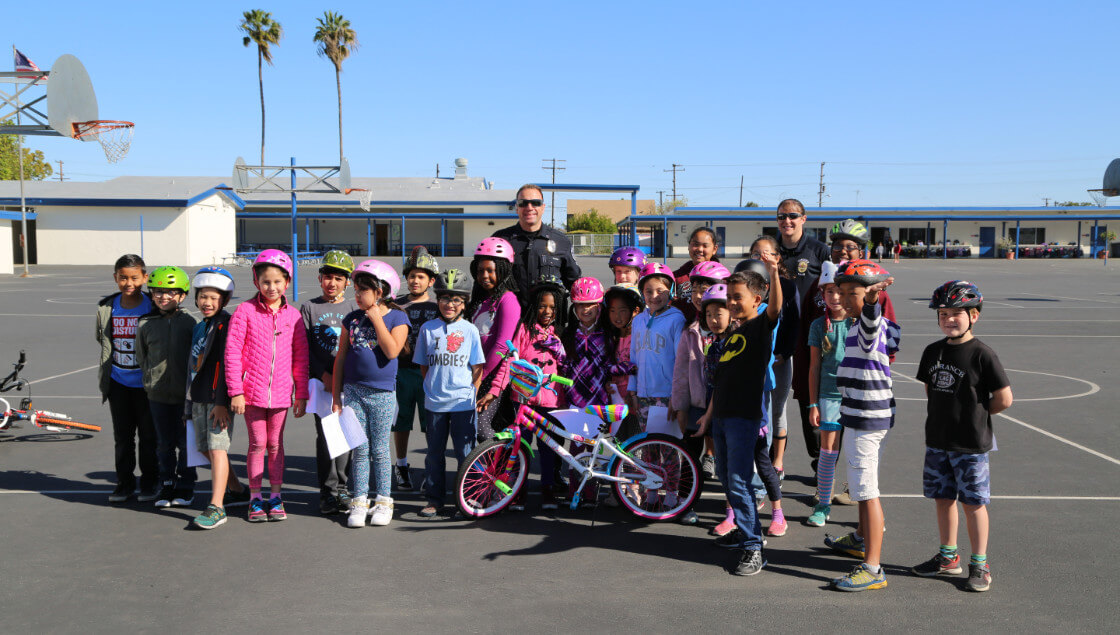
(70, 96)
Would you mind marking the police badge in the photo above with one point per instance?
(802, 266)
(551, 246)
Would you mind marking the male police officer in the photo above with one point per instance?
(538, 250)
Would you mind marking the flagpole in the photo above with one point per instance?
(22, 200)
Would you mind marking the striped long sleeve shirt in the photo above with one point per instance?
(864, 377)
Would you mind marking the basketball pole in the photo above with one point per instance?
(22, 201)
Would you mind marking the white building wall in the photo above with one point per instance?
(99, 235)
(211, 232)
(6, 255)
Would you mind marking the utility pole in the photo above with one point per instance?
(60, 177)
(437, 170)
(740, 190)
(676, 168)
(1045, 202)
(554, 168)
(660, 200)
(820, 192)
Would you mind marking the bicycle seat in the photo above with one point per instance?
(609, 414)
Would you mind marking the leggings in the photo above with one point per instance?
(266, 431)
(766, 470)
(376, 412)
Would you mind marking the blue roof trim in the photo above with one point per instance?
(354, 203)
(433, 216)
(222, 190)
(934, 214)
(813, 211)
(129, 202)
(577, 187)
(16, 215)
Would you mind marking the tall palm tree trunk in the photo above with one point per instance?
(260, 79)
(338, 84)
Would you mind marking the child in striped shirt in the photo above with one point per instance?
(866, 414)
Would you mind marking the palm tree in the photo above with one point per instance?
(261, 29)
(336, 41)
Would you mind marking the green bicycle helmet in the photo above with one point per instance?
(849, 229)
(170, 278)
(337, 260)
(422, 260)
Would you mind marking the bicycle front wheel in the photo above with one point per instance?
(477, 490)
(680, 476)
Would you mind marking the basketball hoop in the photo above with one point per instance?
(363, 197)
(115, 137)
(1100, 197)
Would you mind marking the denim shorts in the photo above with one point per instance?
(830, 414)
(864, 449)
(957, 476)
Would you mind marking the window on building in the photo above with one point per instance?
(915, 235)
(1030, 235)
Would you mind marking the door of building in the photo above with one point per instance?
(987, 242)
(17, 248)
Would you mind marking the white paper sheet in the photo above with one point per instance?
(319, 400)
(194, 457)
(657, 422)
(342, 432)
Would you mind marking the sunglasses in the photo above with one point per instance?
(452, 300)
(790, 216)
(526, 202)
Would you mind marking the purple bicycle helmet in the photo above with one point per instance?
(711, 270)
(381, 272)
(494, 247)
(587, 290)
(628, 257)
(276, 258)
(715, 293)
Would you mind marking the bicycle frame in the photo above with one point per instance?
(538, 425)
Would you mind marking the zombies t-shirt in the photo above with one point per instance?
(960, 380)
(449, 350)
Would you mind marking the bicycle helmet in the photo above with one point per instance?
(381, 272)
(715, 293)
(711, 270)
(849, 229)
(624, 290)
(169, 278)
(214, 278)
(587, 290)
(276, 258)
(863, 272)
(657, 269)
(756, 266)
(494, 247)
(422, 260)
(337, 260)
(957, 294)
(828, 274)
(628, 257)
(454, 282)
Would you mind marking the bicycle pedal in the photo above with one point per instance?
(574, 505)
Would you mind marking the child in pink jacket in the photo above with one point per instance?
(266, 363)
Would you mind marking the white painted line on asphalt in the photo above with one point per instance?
(39, 381)
(1058, 438)
(1064, 297)
(42, 315)
(1093, 388)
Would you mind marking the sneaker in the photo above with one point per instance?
(731, 539)
(276, 509)
(690, 518)
(211, 518)
(256, 511)
(548, 500)
(761, 503)
(708, 466)
(843, 498)
(404, 478)
(382, 511)
(847, 544)
(148, 494)
(237, 499)
(182, 498)
(819, 516)
(343, 499)
(328, 505)
(750, 562)
(359, 509)
(429, 511)
(121, 493)
(939, 565)
(777, 527)
(861, 579)
(979, 577)
(166, 493)
(726, 526)
(517, 507)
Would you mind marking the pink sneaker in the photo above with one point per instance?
(777, 527)
(725, 527)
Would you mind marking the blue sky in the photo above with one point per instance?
(949, 103)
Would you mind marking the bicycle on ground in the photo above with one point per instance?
(50, 421)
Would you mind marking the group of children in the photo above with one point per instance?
(439, 350)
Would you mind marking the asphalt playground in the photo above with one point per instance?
(71, 562)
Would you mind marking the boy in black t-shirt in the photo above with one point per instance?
(735, 410)
(965, 386)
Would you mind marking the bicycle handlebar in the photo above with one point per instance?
(563, 381)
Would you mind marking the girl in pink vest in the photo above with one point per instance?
(266, 365)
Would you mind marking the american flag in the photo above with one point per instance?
(24, 63)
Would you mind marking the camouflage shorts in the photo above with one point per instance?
(957, 476)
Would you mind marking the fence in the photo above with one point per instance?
(593, 244)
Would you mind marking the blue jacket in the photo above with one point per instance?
(653, 347)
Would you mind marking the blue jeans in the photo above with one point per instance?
(374, 409)
(735, 439)
(171, 445)
(441, 425)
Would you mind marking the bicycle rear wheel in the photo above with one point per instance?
(667, 458)
(65, 423)
(477, 493)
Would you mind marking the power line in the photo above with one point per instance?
(676, 168)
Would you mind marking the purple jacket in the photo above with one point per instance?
(690, 376)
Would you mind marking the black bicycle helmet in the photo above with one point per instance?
(957, 294)
(756, 266)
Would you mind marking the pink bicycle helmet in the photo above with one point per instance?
(715, 293)
(711, 270)
(276, 258)
(493, 247)
(657, 269)
(587, 290)
(382, 272)
(628, 257)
